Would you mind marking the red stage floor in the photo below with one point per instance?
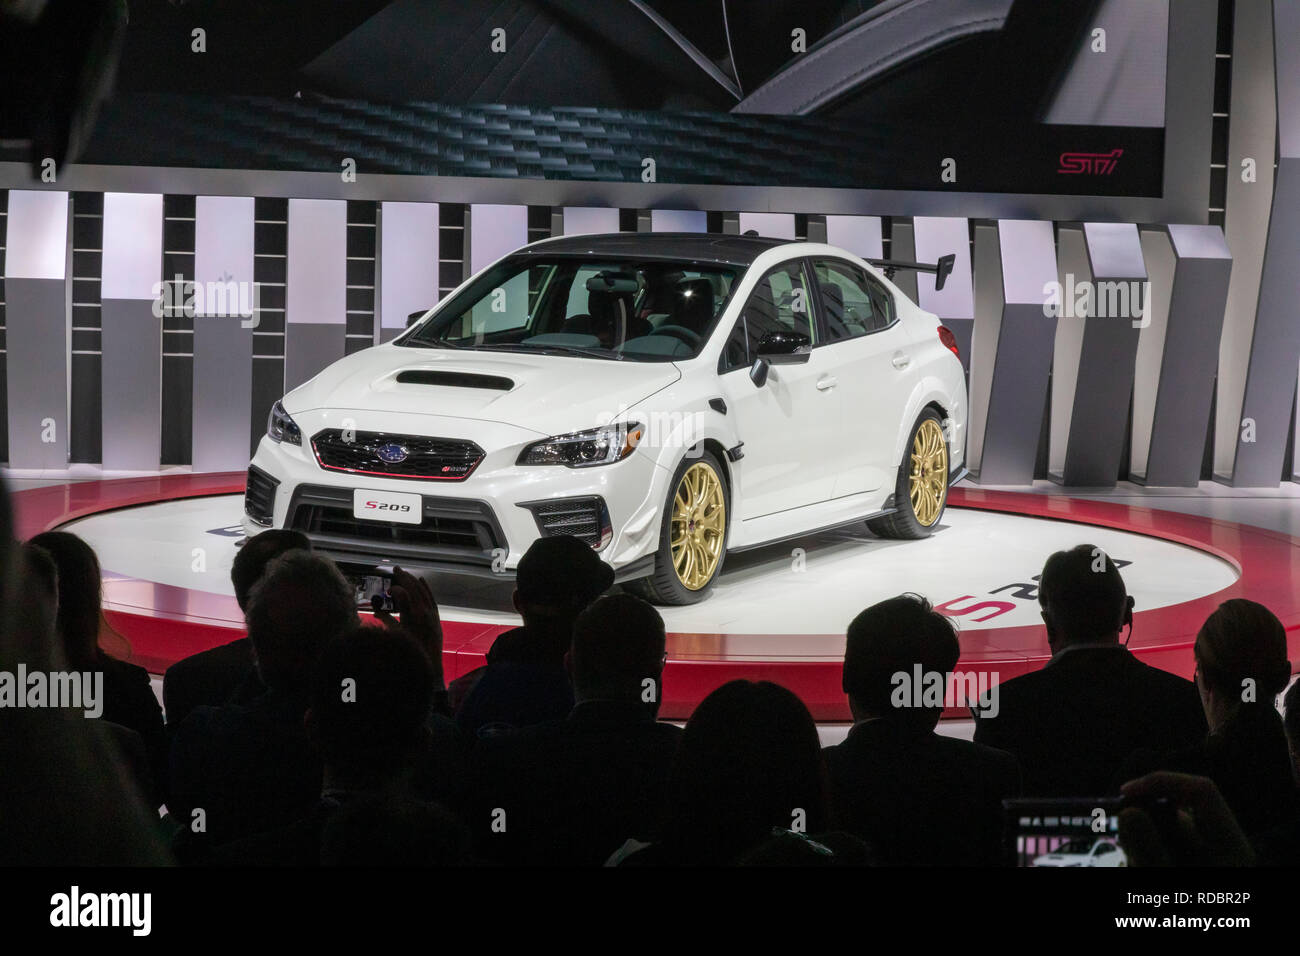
(164, 622)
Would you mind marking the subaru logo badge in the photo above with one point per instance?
(392, 453)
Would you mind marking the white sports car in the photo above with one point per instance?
(1084, 851)
(667, 398)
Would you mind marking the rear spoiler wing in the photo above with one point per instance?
(941, 269)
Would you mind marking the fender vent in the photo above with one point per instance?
(425, 376)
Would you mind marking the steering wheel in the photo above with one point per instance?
(682, 333)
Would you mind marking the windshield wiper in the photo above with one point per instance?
(584, 351)
(430, 344)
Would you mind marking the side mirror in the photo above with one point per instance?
(415, 317)
(778, 348)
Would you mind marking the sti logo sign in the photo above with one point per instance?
(1095, 164)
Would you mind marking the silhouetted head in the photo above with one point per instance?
(39, 585)
(79, 589)
(259, 551)
(886, 645)
(372, 692)
(557, 578)
(1082, 598)
(1240, 658)
(618, 651)
(300, 604)
(749, 762)
(41, 574)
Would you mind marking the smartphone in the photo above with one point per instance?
(1063, 833)
(1070, 832)
(375, 585)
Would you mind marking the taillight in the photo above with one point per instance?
(949, 340)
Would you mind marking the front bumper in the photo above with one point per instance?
(481, 525)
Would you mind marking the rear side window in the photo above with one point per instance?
(853, 302)
(781, 302)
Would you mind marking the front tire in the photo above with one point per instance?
(692, 536)
(921, 489)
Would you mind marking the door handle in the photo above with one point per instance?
(826, 384)
(901, 360)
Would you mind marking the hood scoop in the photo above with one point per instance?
(428, 376)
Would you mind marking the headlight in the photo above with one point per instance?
(595, 446)
(281, 427)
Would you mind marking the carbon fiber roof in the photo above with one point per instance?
(735, 250)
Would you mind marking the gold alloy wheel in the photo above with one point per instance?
(699, 525)
(928, 481)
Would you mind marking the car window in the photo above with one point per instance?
(780, 302)
(853, 302)
(508, 305)
(650, 310)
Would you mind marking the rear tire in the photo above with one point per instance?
(921, 488)
(692, 536)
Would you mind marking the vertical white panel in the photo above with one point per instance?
(1158, 254)
(36, 235)
(589, 220)
(316, 272)
(132, 258)
(223, 239)
(771, 225)
(222, 391)
(679, 220)
(495, 231)
(860, 235)
(1252, 134)
(1074, 270)
(408, 260)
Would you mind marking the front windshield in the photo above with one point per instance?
(618, 308)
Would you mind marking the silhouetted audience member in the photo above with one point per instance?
(442, 775)
(524, 681)
(128, 696)
(41, 580)
(749, 764)
(369, 720)
(573, 790)
(915, 796)
(240, 769)
(1073, 723)
(41, 577)
(65, 797)
(391, 830)
(1241, 667)
(1291, 723)
(225, 673)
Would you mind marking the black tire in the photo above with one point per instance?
(664, 586)
(904, 522)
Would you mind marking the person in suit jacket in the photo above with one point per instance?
(1073, 723)
(916, 797)
(226, 673)
(574, 789)
(524, 681)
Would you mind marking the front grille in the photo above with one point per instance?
(427, 459)
(585, 518)
(259, 496)
(451, 529)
